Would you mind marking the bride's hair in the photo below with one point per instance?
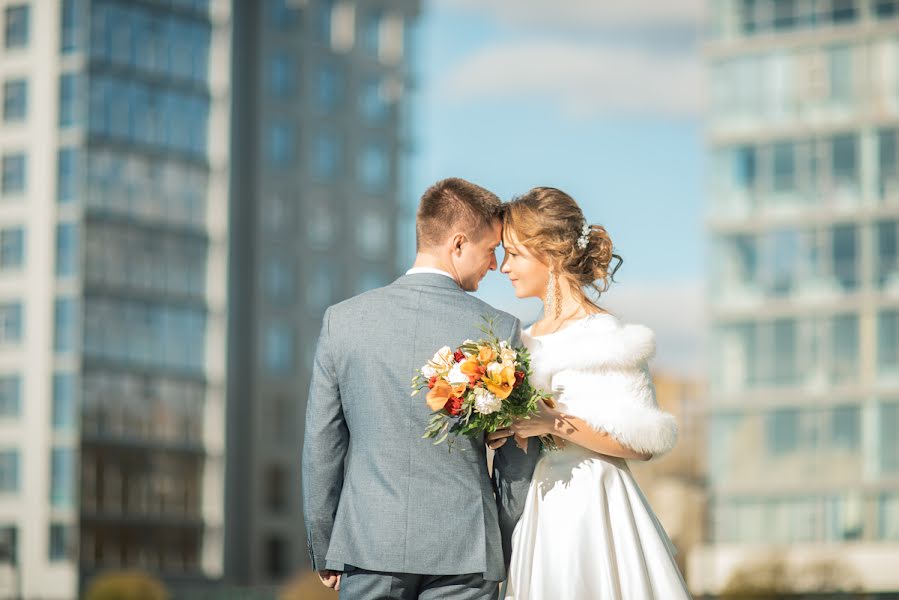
(549, 223)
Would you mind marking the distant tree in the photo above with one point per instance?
(125, 585)
(767, 580)
(773, 579)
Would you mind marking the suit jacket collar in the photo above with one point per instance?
(429, 280)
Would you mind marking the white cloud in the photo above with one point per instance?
(584, 80)
(588, 14)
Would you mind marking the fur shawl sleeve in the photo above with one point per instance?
(600, 370)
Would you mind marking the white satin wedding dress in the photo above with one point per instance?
(587, 531)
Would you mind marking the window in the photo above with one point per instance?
(888, 516)
(17, 26)
(885, 9)
(844, 348)
(68, 37)
(783, 370)
(280, 144)
(326, 156)
(785, 14)
(12, 248)
(840, 59)
(63, 401)
(844, 244)
(69, 175)
(278, 349)
(10, 323)
(62, 476)
(62, 540)
(9, 550)
(65, 321)
(10, 395)
(887, 258)
(323, 21)
(744, 168)
(747, 16)
(66, 249)
(276, 557)
(783, 246)
(784, 167)
(69, 93)
(888, 342)
(15, 100)
(370, 34)
(9, 471)
(782, 431)
(276, 486)
(887, 158)
(279, 281)
(844, 162)
(889, 437)
(283, 14)
(374, 167)
(329, 83)
(845, 427)
(372, 104)
(13, 178)
(843, 11)
(281, 75)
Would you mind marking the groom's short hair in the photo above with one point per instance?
(451, 205)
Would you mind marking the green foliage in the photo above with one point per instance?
(126, 585)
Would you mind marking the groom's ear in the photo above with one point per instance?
(458, 240)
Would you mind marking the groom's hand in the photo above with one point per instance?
(330, 579)
(497, 438)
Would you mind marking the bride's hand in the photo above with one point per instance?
(541, 423)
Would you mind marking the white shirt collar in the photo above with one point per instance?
(417, 270)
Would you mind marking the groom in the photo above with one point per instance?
(389, 514)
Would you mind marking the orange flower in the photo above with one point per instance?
(459, 389)
(439, 394)
(485, 354)
(470, 368)
(500, 380)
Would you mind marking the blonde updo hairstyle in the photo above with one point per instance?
(548, 222)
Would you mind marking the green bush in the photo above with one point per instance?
(125, 585)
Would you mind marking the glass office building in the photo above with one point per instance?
(803, 218)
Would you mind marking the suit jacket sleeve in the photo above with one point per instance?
(324, 449)
(512, 472)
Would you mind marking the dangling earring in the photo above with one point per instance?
(553, 302)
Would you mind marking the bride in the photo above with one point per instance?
(587, 530)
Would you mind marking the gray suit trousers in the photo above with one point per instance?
(359, 584)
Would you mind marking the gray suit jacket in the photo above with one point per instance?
(375, 494)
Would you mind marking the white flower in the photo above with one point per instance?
(428, 371)
(494, 369)
(441, 363)
(456, 375)
(508, 356)
(485, 402)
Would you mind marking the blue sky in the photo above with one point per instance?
(603, 103)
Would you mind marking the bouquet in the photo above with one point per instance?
(479, 387)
